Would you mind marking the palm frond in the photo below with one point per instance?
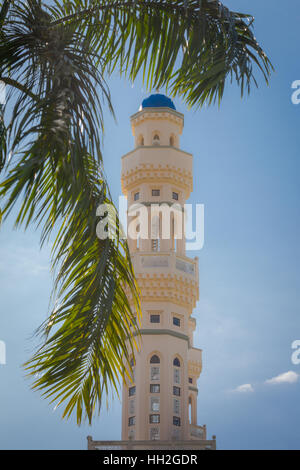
(56, 172)
(191, 47)
(92, 319)
(54, 57)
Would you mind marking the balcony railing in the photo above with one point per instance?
(198, 432)
(185, 266)
(152, 445)
(170, 261)
(155, 261)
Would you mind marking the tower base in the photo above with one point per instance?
(200, 444)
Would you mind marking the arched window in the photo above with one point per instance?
(176, 362)
(138, 233)
(155, 233)
(192, 411)
(154, 359)
(132, 364)
(156, 140)
(176, 371)
(141, 140)
(172, 141)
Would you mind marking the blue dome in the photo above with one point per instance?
(158, 101)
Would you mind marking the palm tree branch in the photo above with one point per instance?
(128, 36)
(56, 172)
(60, 54)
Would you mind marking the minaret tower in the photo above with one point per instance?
(161, 401)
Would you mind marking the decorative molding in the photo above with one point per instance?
(156, 114)
(194, 368)
(171, 175)
(150, 331)
(169, 287)
(156, 147)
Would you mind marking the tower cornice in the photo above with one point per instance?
(162, 164)
(174, 288)
(150, 147)
(157, 114)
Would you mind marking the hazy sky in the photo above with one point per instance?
(246, 173)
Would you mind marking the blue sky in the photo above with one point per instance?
(246, 173)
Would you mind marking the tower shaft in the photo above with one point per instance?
(160, 403)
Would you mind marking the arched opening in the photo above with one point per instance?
(140, 141)
(155, 359)
(173, 239)
(177, 221)
(192, 410)
(176, 371)
(138, 230)
(156, 140)
(132, 373)
(154, 368)
(176, 362)
(172, 141)
(155, 233)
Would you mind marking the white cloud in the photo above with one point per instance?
(289, 377)
(245, 388)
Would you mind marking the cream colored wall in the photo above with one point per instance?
(164, 123)
(169, 161)
(168, 309)
(168, 169)
(166, 190)
(166, 347)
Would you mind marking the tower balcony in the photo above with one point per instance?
(162, 164)
(195, 361)
(167, 277)
(198, 432)
(160, 262)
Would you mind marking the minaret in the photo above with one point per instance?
(161, 402)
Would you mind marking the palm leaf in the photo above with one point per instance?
(191, 47)
(54, 58)
(56, 171)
